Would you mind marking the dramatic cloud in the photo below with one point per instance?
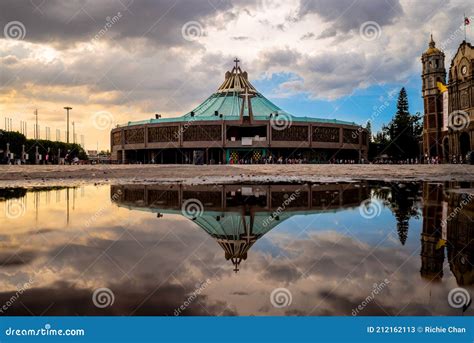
(67, 23)
(347, 15)
(136, 58)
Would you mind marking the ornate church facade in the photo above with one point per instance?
(448, 125)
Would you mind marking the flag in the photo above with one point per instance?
(466, 21)
(442, 88)
(441, 243)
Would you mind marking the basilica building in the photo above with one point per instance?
(237, 124)
(448, 126)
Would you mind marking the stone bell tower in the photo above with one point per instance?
(433, 72)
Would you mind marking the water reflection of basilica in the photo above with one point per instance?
(236, 216)
(448, 218)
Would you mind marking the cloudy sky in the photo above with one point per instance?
(116, 61)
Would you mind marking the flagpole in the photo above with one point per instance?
(464, 22)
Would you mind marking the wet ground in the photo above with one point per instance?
(212, 174)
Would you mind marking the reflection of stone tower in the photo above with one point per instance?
(461, 238)
(432, 251)
(433, 72)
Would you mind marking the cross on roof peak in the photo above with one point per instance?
(236, 62)
(246, 94)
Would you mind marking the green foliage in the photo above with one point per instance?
(403, 131)
(17, 140)
(399, 139)
(368, 127)
(401, 199)
(381, 137)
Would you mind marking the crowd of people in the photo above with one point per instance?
(269, 160)
(453, 159)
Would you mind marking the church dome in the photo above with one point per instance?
(432, 49)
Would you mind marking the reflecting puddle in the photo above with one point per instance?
(368, 248)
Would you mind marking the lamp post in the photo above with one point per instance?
(73, 133)
(36, 129)
(67, 108)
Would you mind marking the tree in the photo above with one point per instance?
(403, 200)
(17, 140)
(404, 206)
(404, 130)
(368, 127)
(381, 137)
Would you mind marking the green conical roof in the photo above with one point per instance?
(236, 91)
